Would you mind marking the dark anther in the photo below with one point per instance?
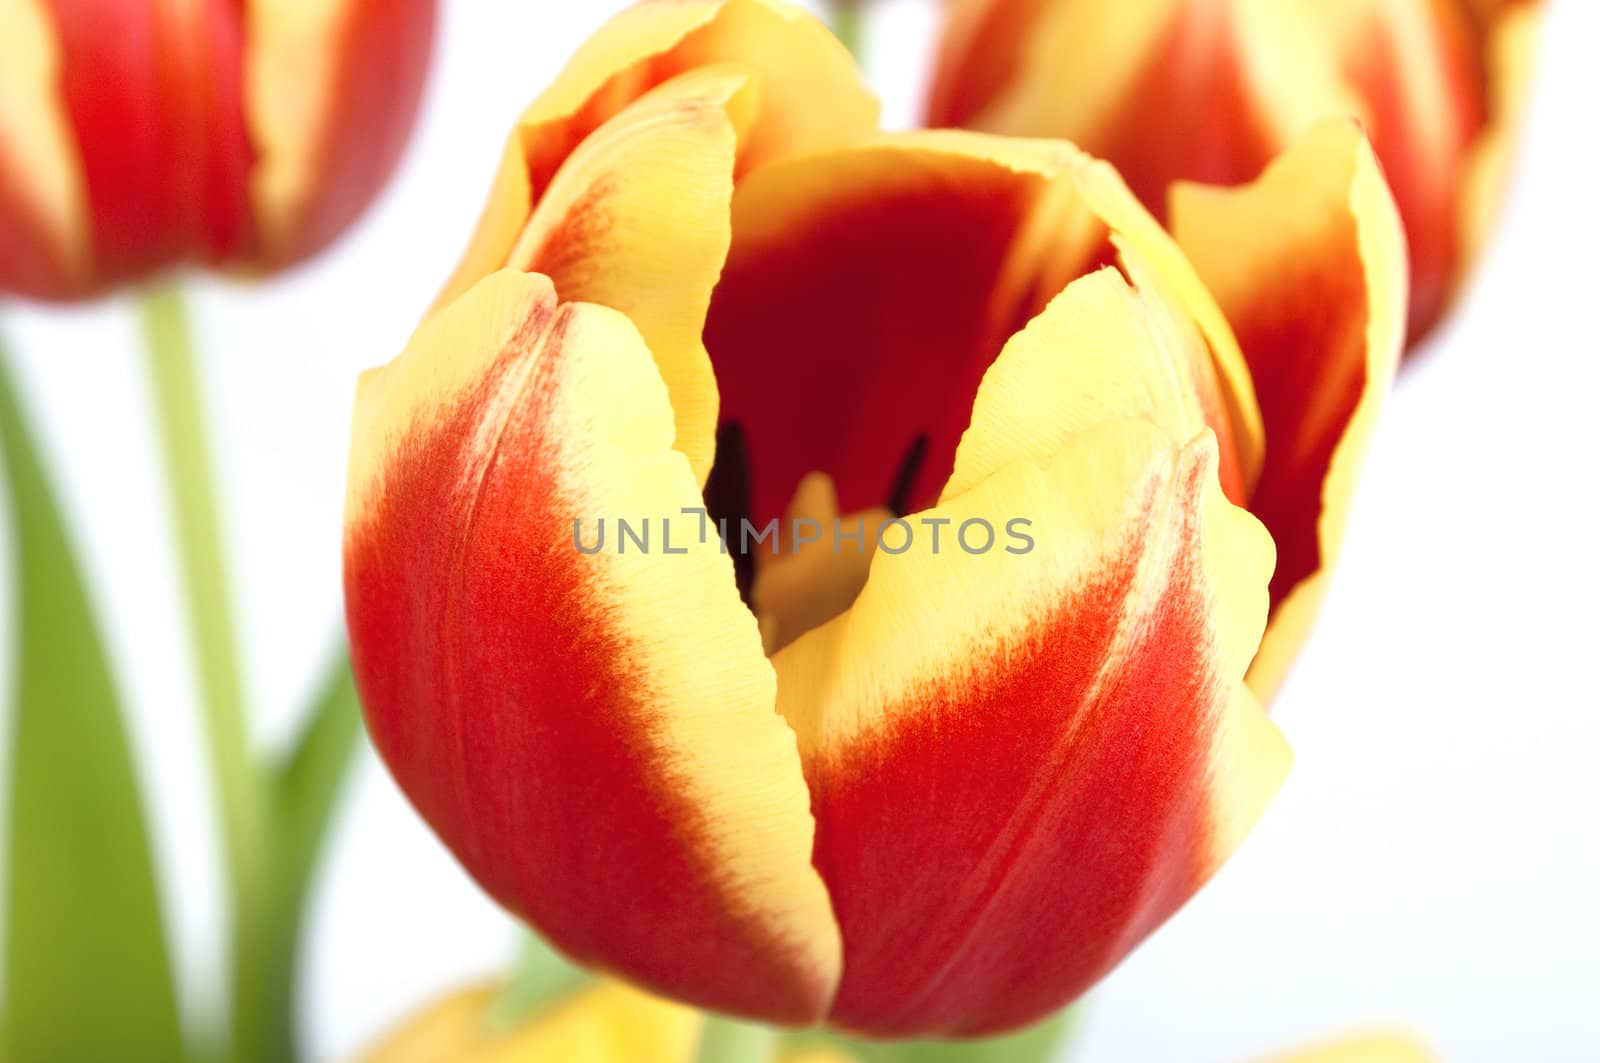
(900, 499)
(727, 497)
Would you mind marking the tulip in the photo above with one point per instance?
(138, 136)
(1204, 91)
(1377, 1047)
(606, 1023)
(609, 1023)
(939, 789)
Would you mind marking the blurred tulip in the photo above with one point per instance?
(609, 1023)
(606, 1023)
(1362, 1048)
(1198, 90)
(703, 280)
(136, 136)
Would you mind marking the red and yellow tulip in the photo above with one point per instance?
(136, 135)
(916, 791)
(1205, 91)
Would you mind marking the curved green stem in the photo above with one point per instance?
(304, 790)
(239, 787)
(273, 823)
(1040, 1043)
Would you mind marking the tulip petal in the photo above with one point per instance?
(1418, 68)
(811, 97)
(637, 220)
(609, 1023)
(517, 685)
(978, 52)
(1363, 1048)
(627, 162)
(331, 88)
(1022, 763)
(1309, 264)
(1166, 89)
(989, 46)
(1509, 37)
(1211, 91)
(626, 167)
(817, 1054)
(1104, 350)
(927, 252)
(176, 189)
(44, 234)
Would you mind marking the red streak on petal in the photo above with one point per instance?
(384, 51)
(975, 63)
(1425, 164)
(1190, 116)
(30, 262)
(508, 705)
(1031, 817)
(1304, 336)
(155, 102)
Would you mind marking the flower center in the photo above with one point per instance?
(816, 559)
(820, 569)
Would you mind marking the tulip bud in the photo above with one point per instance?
(1195, 90)
(136, 136)
(937, 781)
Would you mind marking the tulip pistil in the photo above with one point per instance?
(810, 581)
(727, 496)
(802, 584)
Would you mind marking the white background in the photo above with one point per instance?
(1432, 861)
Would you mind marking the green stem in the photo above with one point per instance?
(726, 1040)
(304, 791)
(181, 424)
(1039, 1043)
(849, 24)
(541, 977)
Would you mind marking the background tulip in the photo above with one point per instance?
(609, 1023)
(606, 1023)
(1189, 89)
(988, 776)
(136, 136)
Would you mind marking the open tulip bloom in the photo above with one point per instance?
(903, 786)
(1203, 90)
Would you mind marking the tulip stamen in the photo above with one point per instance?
(905, 479)
(727, 496)
(812, 580)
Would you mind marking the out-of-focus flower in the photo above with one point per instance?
(1308, 265)
(606, 1023)
(1207, 91)
(610, 1023)
(942, 787)
(1362, 1048)
(137, 135)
